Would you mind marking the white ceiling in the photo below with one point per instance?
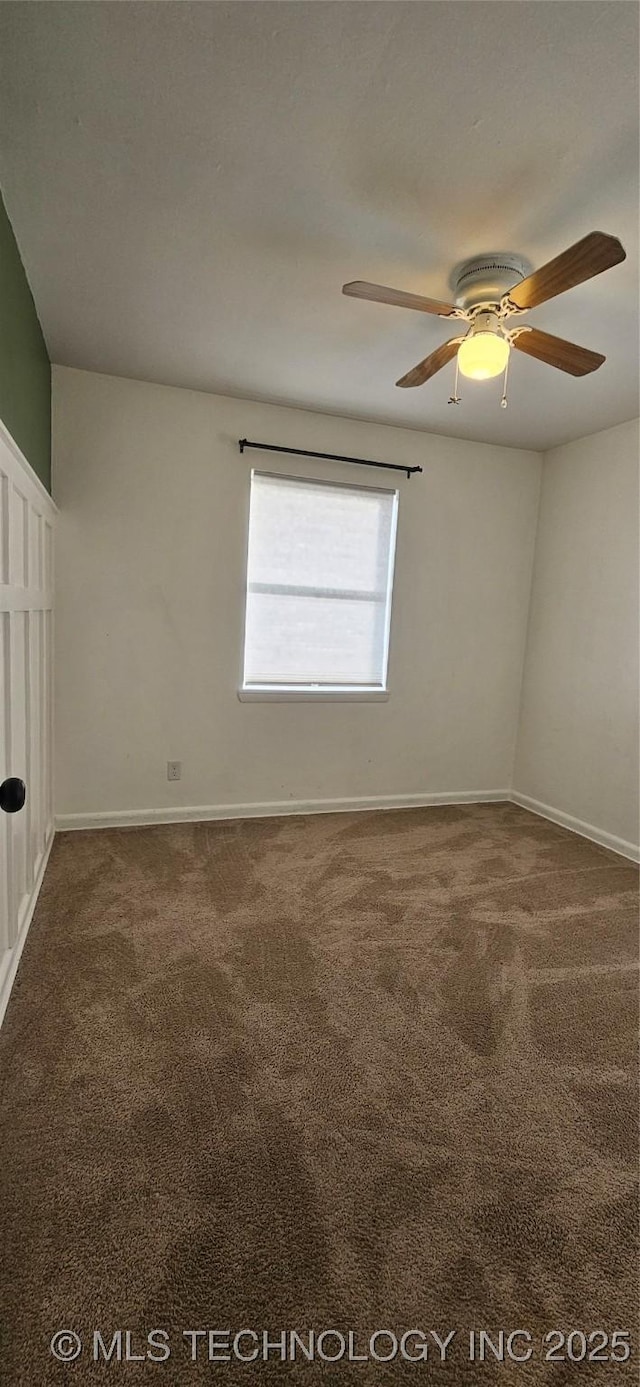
(191, 184)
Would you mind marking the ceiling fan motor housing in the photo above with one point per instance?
(487, 278)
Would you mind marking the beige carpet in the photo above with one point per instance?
(346, 1072)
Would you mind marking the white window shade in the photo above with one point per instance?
(319, 581)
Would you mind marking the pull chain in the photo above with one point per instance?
(455, 398)
(504, 401)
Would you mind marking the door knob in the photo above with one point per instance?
(13, 793)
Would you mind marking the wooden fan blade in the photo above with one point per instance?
(427, 368)
(566, 356)
(590, 256)
(377, 293)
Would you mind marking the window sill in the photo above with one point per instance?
(271, 694)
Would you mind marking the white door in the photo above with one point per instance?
(26, 613)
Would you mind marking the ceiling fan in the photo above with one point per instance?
(488, 290)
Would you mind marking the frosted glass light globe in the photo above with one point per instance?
(483, 355)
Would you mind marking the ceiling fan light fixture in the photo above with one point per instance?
(483, 354)
(489, 289)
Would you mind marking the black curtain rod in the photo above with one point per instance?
(331, 457)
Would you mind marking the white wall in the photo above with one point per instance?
(578, 742)
(153, 498)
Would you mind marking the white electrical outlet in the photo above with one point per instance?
(174, 770)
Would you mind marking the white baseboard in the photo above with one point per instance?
(11, 958)
(558, 816)
(200, 813)
(136, 818)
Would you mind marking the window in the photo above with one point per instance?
(320, 571)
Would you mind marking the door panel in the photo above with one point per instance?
(5, 824)
(26, 562)
(18, 711)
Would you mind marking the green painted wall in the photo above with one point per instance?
(25, 369)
